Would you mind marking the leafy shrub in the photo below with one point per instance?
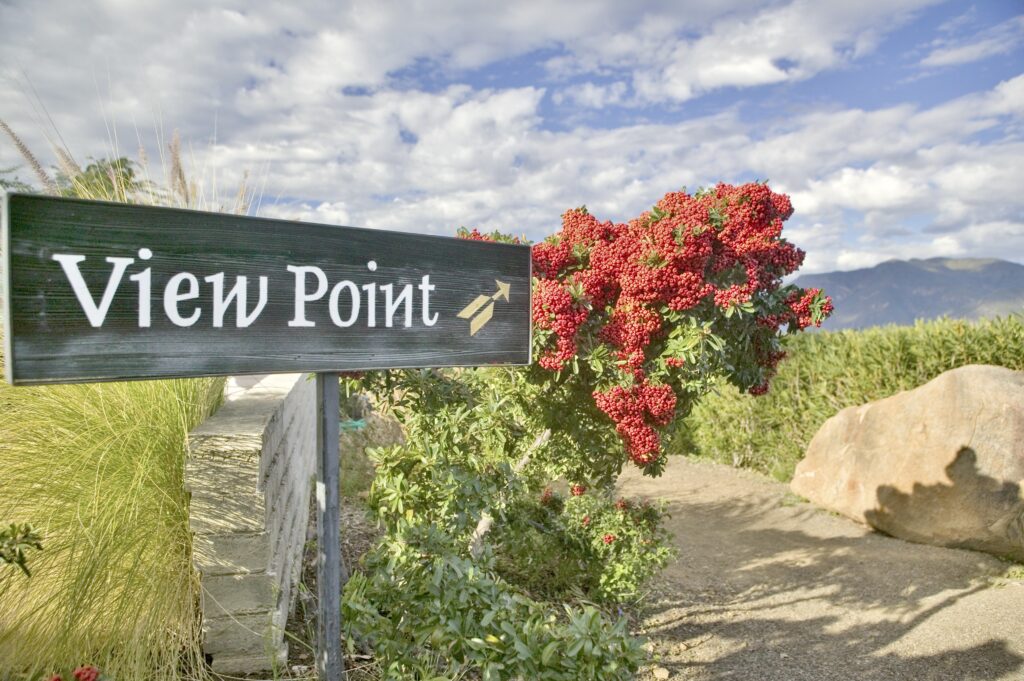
(829, 371)
(589, 544)
(430, 605)
(432, 614)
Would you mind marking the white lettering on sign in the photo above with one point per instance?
(353, 292)
(302, 298)
(425, 288)
(145, 281)
(347, 303)
(95, 313)
(173, 296)
(238, 294)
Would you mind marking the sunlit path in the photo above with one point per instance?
(767, 588)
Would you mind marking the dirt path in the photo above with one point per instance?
(768, 588)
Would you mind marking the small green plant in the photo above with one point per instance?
(1014, 572)
(14, 541)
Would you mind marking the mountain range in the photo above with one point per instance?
(902, 291)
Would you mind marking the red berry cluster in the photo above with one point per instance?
(476, 235)
(799, 312)
(84, 673)
(555, 310)
(801, 307)
(577, 490)
(636, 411)
(473, 235)
(631, 329)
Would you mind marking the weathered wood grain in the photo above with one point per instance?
(50, 338)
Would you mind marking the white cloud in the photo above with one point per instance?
(328, 213)
(990, 42)
(775, 44)
(277, 80)
(875, 188)
(592, 95)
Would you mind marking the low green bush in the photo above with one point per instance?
(826, 372)
(431, 614)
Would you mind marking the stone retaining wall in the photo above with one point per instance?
(249, 472)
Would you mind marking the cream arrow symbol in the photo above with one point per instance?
(480, 317)
(503, 290)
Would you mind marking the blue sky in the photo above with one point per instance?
(895, 126)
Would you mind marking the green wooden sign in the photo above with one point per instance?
(99, 291)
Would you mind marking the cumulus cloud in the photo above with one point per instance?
(887, 187)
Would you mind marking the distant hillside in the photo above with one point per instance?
(900, 291)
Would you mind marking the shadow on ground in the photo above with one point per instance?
(767, 587)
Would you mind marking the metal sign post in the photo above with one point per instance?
(96, 291)
(329, 565)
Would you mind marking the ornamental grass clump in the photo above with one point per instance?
(98, 471)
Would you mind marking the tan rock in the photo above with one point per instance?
(941, 464)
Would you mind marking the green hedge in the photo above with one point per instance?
(826, 372)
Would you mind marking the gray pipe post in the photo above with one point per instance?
(329, 661)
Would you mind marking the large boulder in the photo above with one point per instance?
(941, 464)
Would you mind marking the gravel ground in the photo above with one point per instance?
(769, 588)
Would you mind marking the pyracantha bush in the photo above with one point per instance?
(647, 314)
(631, 324)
